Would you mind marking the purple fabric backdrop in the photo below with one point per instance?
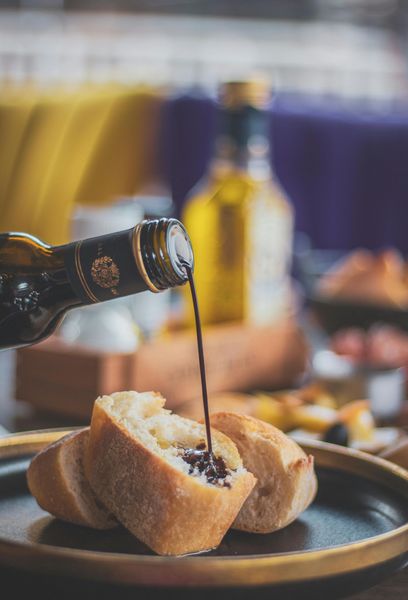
(345, 169)
(189, 123)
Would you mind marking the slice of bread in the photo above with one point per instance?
(57, 480)
(134, 462)
(286, 481)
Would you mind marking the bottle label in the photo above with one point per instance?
(104, 267)
(268, 257)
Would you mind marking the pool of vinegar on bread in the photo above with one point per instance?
(202, 460)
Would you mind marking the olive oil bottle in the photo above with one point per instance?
(40, 283)
(238, 218)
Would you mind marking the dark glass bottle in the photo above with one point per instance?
(39, 283)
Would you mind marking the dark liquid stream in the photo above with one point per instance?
(200, 357)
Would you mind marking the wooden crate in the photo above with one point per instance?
(65, 379)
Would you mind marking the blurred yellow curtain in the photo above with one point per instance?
(91, 146)
(124, 153)
(68, 167)
(14, 118)
(43, 135)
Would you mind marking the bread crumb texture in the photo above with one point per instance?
(286, 481)
(167, 434)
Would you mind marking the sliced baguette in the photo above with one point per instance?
(57, 480)
(134, 465)
(286, 482)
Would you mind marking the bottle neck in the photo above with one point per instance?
(149, 256)
(242, 143)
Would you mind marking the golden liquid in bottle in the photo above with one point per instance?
(241, 232)
(216, 219)
(239, 220)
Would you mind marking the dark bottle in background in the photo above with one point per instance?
(39, 283)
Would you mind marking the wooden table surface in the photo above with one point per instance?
(16, 416)
(394, 588)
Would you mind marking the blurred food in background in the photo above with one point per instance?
(362, 302)
(366, 278)
(381, 346)
(309, 412)
(358, 290)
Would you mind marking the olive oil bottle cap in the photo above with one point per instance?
(242, 117)
(237, 94)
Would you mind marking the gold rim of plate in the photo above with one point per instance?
(214, 571)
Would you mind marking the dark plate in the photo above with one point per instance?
(334, 315)
(353, 535)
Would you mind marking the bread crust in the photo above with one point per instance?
(286, 481)
(50, 480)
(170, 511)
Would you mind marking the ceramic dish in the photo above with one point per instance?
(354, 534)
